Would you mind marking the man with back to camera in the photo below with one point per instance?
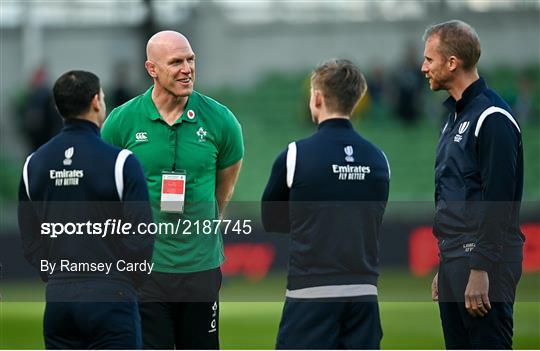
(185, 138)
(330, 192)
(62, 184)
(478, 189)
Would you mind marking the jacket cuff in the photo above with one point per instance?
(479, 262)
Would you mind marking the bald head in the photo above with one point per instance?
(170, 61)
(164, 42)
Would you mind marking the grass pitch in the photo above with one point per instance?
(250, 313)
(253, 325)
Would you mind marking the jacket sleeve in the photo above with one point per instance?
(498, 148)
(275, 199)
(33, 244)
(136, 210)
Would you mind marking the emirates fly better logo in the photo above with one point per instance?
(66, 177)
(350, 172)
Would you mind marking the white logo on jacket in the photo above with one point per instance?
(469, 247)
(349, 172)
(66, 177)
(462, 128)
(68, 154)
(349, 152)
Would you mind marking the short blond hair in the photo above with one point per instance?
(457, 38)
(341, 83)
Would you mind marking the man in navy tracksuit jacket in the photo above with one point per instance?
(330, 192)
(478, 190)
(69, 186)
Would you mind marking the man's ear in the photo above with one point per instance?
(317, 98)
(452, 63)
(95, 103)
(150, 68)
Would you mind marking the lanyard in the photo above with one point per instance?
(175, 146)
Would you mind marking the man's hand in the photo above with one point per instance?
(476, 294)
(435, 288)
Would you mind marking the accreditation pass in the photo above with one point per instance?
(173, 191)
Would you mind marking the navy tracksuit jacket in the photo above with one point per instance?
(479, 180)
(76, 178)
(330, 192)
